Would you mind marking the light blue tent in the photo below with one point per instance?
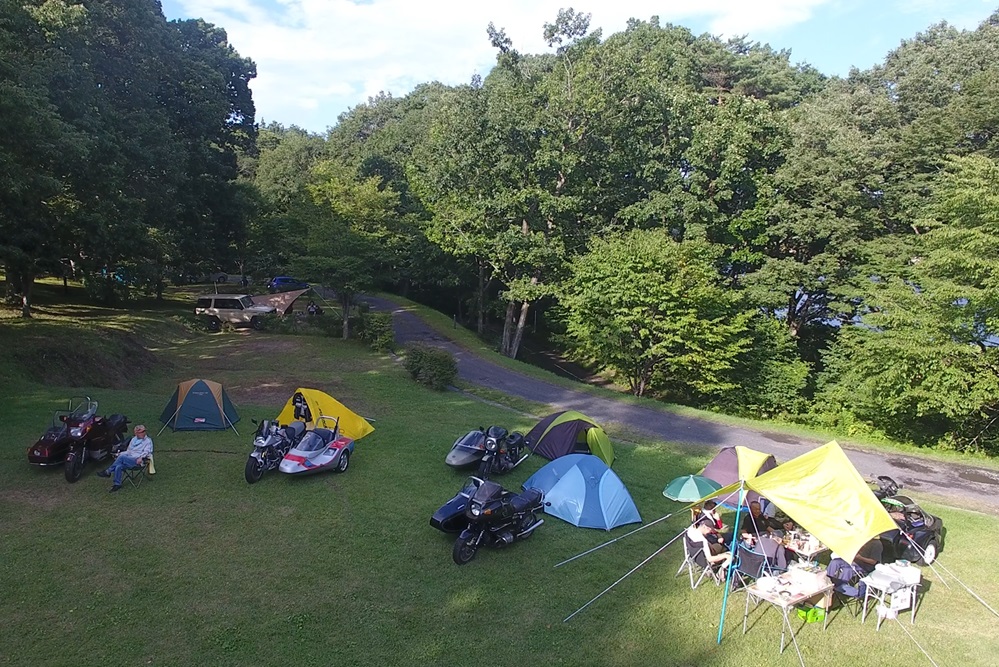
(585, 492)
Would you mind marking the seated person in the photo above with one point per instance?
(755, 524)
(784, 526)
(140, 448)
(698, 533)
(715, 539)
(862, 565)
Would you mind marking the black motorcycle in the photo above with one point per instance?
(492, 450)
(497, 517)
(270, 444)
(504, 451)
(919, 538)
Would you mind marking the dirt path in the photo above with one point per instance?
(962, 485)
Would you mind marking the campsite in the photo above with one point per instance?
(197, 567)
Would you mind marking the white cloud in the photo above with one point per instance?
(316, 58)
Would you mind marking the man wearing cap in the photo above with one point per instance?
(135, 456)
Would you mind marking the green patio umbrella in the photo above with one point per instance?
(689, 488)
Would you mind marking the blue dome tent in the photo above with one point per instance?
(585, 492)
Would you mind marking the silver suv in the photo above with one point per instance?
(236, 309)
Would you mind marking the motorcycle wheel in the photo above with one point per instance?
(74, 467)
(464, 550)
(254, 470)
(341, 465)
(929, 553)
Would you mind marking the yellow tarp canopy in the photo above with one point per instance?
(825, 495)
(323, 405)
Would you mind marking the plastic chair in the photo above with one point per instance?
(694, 558)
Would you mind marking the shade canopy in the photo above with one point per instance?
(824, 494)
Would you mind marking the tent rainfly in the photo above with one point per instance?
(732, 464)
(570, 432)
(582, 490)
(199, 405)
(311, 405)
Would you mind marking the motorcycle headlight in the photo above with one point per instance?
(77, 431)
(476, 510)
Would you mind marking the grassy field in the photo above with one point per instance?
(197, 567)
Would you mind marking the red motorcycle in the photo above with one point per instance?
(78, 434)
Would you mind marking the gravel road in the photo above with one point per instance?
(958, 484)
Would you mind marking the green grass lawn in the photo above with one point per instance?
(198, 567)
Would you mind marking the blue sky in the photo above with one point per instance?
(318, 58)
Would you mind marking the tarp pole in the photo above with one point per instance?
(630, 572)
(965, 587)
(601, 546)
(731, 562)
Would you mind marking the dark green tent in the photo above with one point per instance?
(199, 405)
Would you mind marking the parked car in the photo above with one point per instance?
(286, 284)
(236, 309)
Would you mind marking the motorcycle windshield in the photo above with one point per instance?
(472, 441)
(487, 491)
(311, 442)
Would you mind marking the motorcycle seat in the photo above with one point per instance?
(526, 500)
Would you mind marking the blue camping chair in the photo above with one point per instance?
(749, 566)
(847, 587)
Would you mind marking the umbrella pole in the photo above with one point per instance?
(630, 572)
(601, 546)
(731, 562)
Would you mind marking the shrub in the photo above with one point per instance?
(375, 329)
(431, 366)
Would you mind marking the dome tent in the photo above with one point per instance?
(582, 490)
(199, 405)
(570, 432)
(733, 464)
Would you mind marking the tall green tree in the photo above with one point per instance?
(656, 313)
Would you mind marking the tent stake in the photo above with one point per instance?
(601, 546)
(630, 572)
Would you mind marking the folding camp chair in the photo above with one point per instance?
(694, 558)
(749, 566)
(847, 590)
(134, 476)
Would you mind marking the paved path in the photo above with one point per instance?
(963, 485)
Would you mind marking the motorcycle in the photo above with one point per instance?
(76, 435)
(497, 517)
(919, 538)
(494, 451)
(270, 445)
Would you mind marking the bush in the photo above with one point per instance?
(431, 366)
(375, 329)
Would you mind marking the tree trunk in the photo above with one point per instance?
(525, 306)
(508, 326)
(480, 300)
(27, 282)
(345, 304)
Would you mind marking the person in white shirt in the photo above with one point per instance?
(697, 533)
(140, 448)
